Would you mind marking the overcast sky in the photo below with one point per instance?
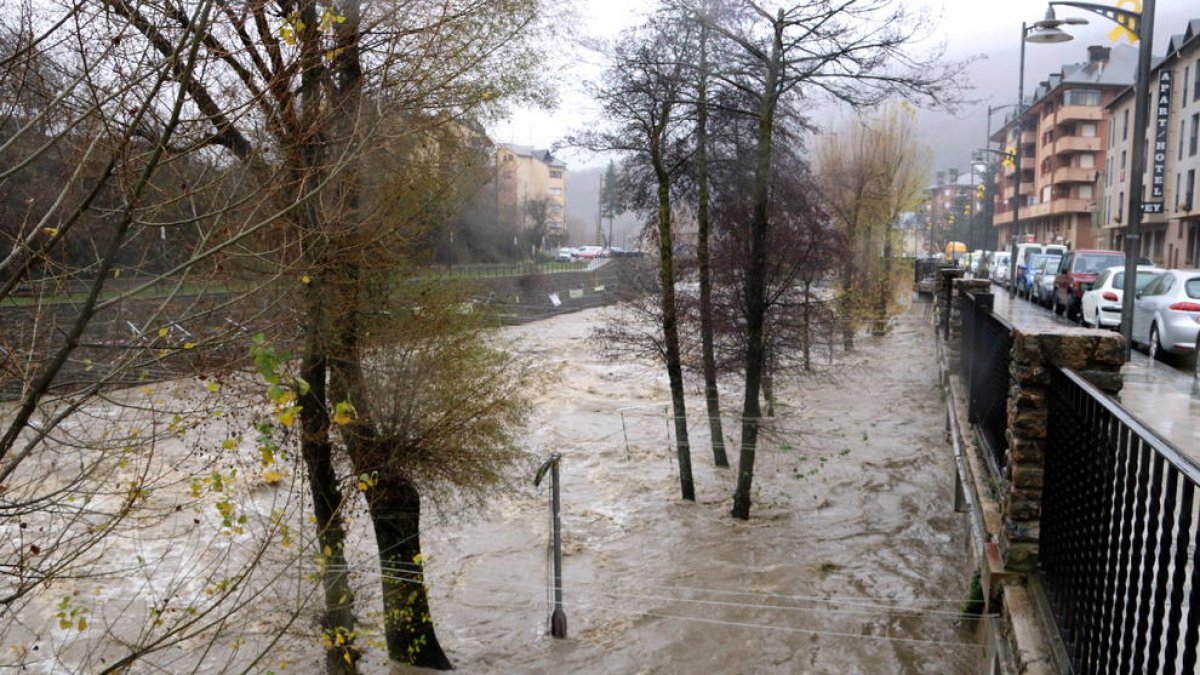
(990, 29)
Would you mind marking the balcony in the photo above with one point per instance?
(1074, 174)
(1080, 113)
(1057, 206)
(1070, 144)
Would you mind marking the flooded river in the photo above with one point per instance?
(853, 561)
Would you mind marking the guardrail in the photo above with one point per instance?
(986, 358)
(1120, 526)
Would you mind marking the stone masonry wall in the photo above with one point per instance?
(1097, 356)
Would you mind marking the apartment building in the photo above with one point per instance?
(1170, 230)
(1061, 141)
(531, 191)
(950, 211)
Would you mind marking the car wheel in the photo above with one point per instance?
(1154, 348)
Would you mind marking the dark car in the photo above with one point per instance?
(1078, 270)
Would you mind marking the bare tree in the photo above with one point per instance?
(642, 94)
(854, 51)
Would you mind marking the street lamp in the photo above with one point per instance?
(1141, 24)
(1045, 31)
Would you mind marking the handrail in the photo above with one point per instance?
(1172, 454)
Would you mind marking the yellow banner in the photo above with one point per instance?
(1123, 30)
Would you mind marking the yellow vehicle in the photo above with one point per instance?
(955, 251)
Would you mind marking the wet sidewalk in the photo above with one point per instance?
(1165, 399)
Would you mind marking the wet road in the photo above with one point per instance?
(1165, 398)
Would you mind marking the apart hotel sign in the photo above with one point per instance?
(1161, 127)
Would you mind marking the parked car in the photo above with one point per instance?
(1166, 314)
(1025, 272)
(1043, 279)
(1021, 256)
(1101, 306)
(565, 254)
(999, 268)
(589, 252)
(1078, 269)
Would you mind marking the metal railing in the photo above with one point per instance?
(986, 356)
(1118, 543)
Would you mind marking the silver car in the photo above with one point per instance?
(1166, 314)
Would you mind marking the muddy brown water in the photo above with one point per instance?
(853, 561)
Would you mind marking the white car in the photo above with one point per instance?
(1101, 306)
(565, 254)
(999, 268)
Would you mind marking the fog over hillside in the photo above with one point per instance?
(583, 206)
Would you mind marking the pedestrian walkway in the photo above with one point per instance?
(1165, 399)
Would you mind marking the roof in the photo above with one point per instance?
(965, 180)
(543, 156)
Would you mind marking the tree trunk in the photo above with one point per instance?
(408, 628)
(883, 300)
(341, 653)
(712, 397)
(670, 318)
(848, 280)
(756, 280)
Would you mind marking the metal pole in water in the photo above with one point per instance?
(558, 619)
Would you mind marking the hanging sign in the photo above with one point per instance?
(1162, 125)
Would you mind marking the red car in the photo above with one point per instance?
(1077, 270)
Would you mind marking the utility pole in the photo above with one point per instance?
(558, 619)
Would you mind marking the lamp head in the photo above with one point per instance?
(1047, 34)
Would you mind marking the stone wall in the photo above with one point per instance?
(1095, 355)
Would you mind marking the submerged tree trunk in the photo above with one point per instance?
(408, 628)
(756, 279)
(712, 397)
(341, 651)
(884, 297)
(670, 325)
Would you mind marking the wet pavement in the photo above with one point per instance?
(1165, 398)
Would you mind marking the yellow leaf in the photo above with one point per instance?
(272, 476)
(52, 231)
(189, 345)
(64, 623)
(327, 551)
(229, 443)
(343, 413)
(212, 386)
(287, 416)
(307, 279)
(162, 332)
(147, 390)
(116, 274)
(82, 624)
(346, 656)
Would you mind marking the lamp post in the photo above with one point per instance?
(1045, 31)
(1141, 24)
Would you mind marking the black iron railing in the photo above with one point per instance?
(986, 355)
(1118, 541)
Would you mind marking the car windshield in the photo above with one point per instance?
(1095, 262)
(1051, 262)
(1192, 287)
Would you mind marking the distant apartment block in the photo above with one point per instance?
(1170, 232)
(531, 191)
(1064, 153)
(950, 211)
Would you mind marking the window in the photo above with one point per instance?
(1182, 134)
(1125, 128)
(1120, 207)
(1045, 194)
(555, 173)
(1186, 75)
(1087, 129)
(1196, 82)
(1178, 195)
(1085, 191)
(1191, 190)
(1087, 160)
(1112, 134)
(1108, 172)
(1195, 131)
(1082, 97)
